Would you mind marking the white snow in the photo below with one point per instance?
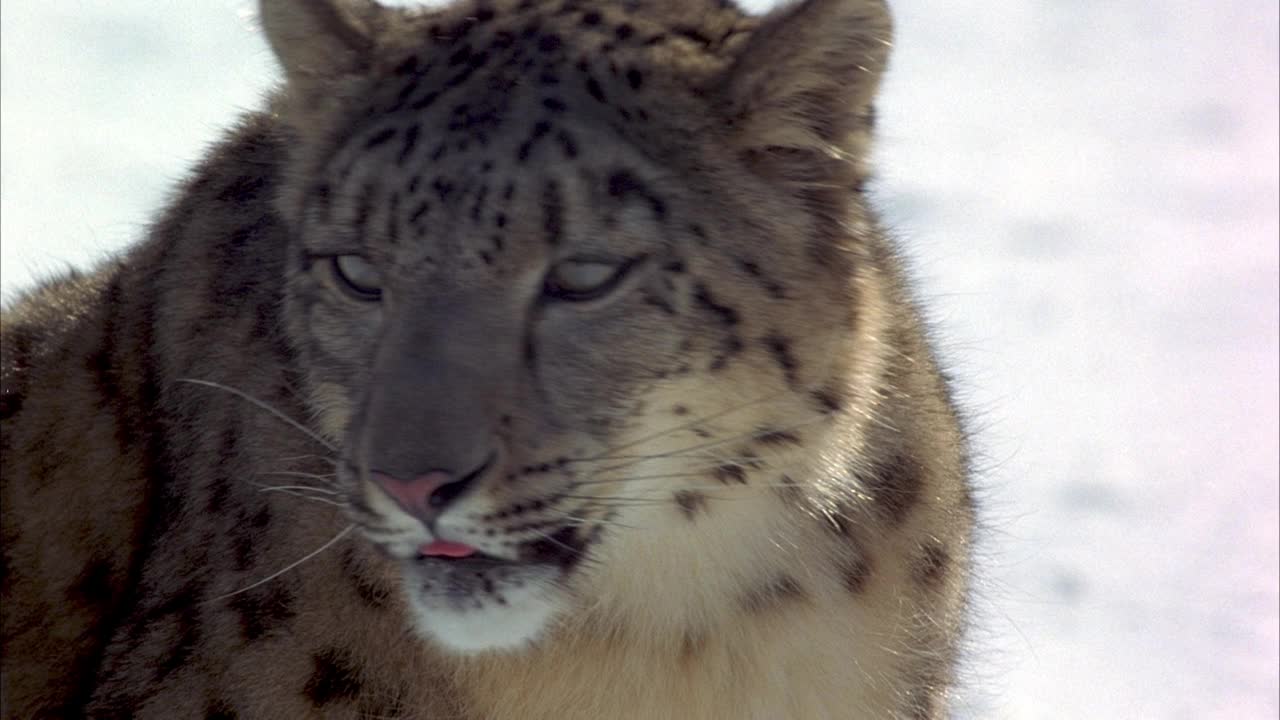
(1090, 193)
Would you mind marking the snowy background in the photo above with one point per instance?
(1090, 194)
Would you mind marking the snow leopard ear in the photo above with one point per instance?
(800, 89)
(320, 40)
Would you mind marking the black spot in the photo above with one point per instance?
(333, 678)
(727, 315)
(855, 573)
(777, 592)
(443, 188)
(264, 609)
(410, 141)
(322, 195)
(402, 97)
(624, 185)
(93, 586)
(393, 219)
(594, 89)
(567, 144)
(693, 34)
(552, 213)
(923, 702)
(554, 104)
(418, 212)
(731, 346)
(502, 40)
(478, 205)
(623, 31)
(563, 547)
(777, 437)
(692, 645)
(659, 302)
(837, 519)
(549, 43)
(379, 138)
(770, 286)
(465, 73)
(246, 535)
(789, 492)
(182, 609)
(780, 348)
(461, 55)
(243, 189)
(829, 400)
(408, 67)
(690, 502)
(10, 403)
(242, 548)
(895, 487)
(101, 366)
(539, 131)
(262, 518)
(729, 472)
(425, 101)
(931, 567)
(364, 207)
(635, 78)
(219, 491)
(483, 15)
(219, 710)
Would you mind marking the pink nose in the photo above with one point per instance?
(421, 496)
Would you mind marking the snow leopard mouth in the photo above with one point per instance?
(458, 571)
(461, 578)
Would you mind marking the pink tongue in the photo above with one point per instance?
(444, 548)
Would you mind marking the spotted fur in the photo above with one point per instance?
(610, 263)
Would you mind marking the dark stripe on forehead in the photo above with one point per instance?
(552, 212)
(379, 138)
(409, 142)
(625, 186)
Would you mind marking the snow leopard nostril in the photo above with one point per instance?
(428, 494)
(444, 494)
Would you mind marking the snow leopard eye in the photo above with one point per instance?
(356, 277)
(578, 280)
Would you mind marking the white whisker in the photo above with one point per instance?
(293, 473)
(264, 406)
(308, 488)
(341, 534)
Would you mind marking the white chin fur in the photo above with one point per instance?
(485, 625)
